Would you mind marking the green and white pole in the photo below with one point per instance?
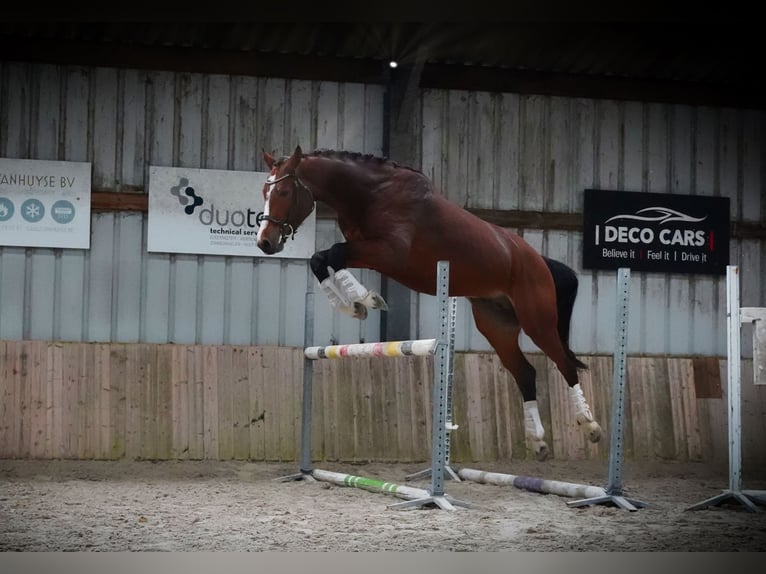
(371, 484)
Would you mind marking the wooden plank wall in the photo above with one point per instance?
(163, 401)
(144, 401)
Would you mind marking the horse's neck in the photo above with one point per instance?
(334, 182)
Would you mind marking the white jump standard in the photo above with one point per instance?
(448, 471)
(614, 494)
(439, 348)
(735, 316)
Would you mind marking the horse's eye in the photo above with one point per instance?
(282, 193)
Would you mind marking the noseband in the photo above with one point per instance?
(286, 229)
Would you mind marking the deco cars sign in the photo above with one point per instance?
(665, 233)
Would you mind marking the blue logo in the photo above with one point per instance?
(62, 211)
(6, 209)
(32, 210)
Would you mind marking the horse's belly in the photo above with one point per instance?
(467, 278)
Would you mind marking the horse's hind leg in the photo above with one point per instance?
(496, 320)
(540, 324)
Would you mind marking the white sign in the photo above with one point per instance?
(44, 203)
(210, 211)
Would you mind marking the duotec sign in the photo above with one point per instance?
(666, 233)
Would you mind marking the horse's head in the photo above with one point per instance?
(287, 202)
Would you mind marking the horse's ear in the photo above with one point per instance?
(295, 159)
(269, 159)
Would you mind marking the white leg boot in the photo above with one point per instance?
(334, 294)
(533, 428)
(348, 295)
(355, 292)
(350, 286)
(583, 413)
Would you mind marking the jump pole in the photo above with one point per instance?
(539, 485)
(734, 319)
(439, 349)
(371, 484)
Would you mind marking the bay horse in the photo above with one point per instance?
(396, 224)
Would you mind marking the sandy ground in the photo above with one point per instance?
(240, 506)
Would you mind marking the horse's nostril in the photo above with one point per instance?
(265, 246)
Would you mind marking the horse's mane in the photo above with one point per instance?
(359, 157)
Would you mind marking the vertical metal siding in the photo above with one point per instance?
(505, 151)
(125, 120)
(501, 151)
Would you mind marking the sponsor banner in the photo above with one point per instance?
(45, 203)
(659, 232)
(209, 211)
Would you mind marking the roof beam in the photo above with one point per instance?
(137, 200)
(374, 71)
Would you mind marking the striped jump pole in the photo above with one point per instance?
(441, 417)
(371, 484)
(391, 349)
(532, 484)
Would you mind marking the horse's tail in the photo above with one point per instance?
(566, 283)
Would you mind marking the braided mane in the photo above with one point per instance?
(358, 157)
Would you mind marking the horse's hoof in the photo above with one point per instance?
(594, 431)
(373, 300)
(360, 311)
(541, 451)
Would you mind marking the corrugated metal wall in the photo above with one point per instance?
(485, 150)
(505, 151)
(123, 121)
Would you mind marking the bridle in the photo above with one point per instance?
(286, 229)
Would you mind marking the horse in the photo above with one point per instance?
(394, 222)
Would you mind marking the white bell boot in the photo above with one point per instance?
(534, 431)
(338, 297)
(355, 292)
(583, 414)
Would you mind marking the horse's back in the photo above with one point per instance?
(486, 260)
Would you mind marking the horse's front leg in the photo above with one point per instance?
(345, 292)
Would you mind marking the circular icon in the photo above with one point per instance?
(32, 210)
(6, 209)
(62, 211)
